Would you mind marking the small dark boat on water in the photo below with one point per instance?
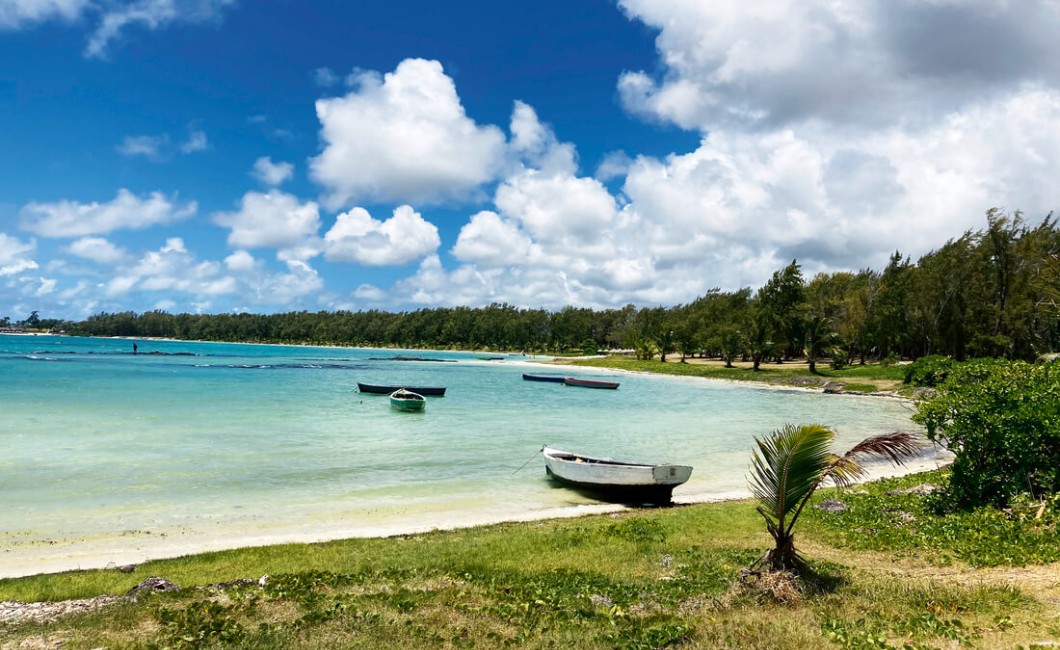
(615, 480)
(432, 391)
(555, 379)
(590, 383)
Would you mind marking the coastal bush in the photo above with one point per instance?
(840, 359)
(928, 371)
(1002, 421)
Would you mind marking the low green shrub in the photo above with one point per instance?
(1002, 421)
(928, 371)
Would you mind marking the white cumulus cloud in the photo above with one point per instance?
(858, 62)
(172, 268)
(357, 237)
(270, 173)
(273, 219)
(151, 147)
(492, 241)
(126, 212)
(241, 262)
(403, 138)
(196, 141)
(15, 255)
(96, 249)
(18, 13)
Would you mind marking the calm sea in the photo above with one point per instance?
(114, 457)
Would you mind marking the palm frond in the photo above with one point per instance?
(788, 466)
(897, 446)
(845, 471)
(791, 463)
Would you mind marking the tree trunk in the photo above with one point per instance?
(783, 557)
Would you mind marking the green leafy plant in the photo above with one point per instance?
(789, 466)
(928, 371)
(1002, 421)
(200, 623)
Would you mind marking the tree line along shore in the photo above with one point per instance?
(994, 292)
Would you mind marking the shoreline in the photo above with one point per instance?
(120, 550)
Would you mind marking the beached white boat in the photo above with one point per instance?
(615, 480)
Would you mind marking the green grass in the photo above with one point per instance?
(849, 376)
(883, 518)
(638, 579)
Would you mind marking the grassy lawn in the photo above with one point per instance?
(889, 575)
(865, 379)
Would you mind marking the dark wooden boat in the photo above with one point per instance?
(616, 480)
(432, 391)
(590, 383)
(556, 379)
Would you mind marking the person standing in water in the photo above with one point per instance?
(134, 348)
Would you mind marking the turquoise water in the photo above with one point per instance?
(107, 454)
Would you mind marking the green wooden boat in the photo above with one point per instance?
(406, 400)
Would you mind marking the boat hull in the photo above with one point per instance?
(611, 480)
(404, 400)
(433, 391)
(555, 379)
(590, 383)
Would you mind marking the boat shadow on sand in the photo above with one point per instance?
(631, 500)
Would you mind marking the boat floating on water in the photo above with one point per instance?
(432, 391)
(556, 379)
(406, 400)
(590, 383)
(615, 480)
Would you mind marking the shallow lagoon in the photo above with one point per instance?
(111, 457)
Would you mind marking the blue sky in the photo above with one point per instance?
(217, 155)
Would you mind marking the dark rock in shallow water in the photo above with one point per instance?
(833, 505)
(152, 585)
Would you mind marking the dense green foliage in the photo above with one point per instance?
(990, 293)
(928, 371)
(1002, 420)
